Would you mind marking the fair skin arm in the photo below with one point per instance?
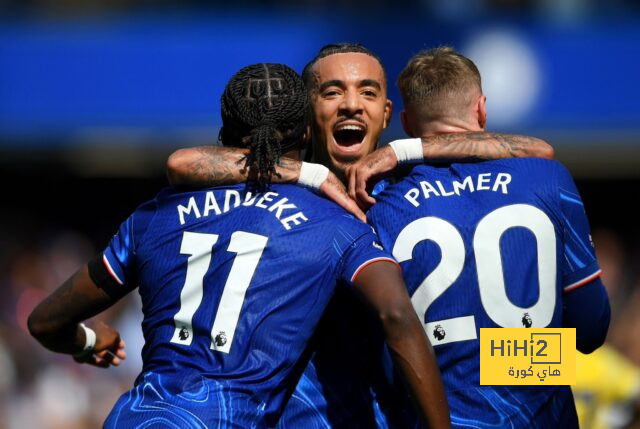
(442, 148)
(382, 287)
(55, 321)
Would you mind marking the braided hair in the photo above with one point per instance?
(265, 108)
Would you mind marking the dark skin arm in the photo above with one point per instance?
(205, 166)
(443, 148)
(55, 321)
(382, 287)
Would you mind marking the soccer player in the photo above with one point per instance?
(348, 89)
(233, 282)
(484, 245)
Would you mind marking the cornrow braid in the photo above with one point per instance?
(265, 108)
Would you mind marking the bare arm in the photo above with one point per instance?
(460, 147)
(55, 321)
(205, 166)
(483, 146)
(382, 286)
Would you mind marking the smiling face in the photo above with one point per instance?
(350, 108)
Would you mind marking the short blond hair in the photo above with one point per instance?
(439, 83)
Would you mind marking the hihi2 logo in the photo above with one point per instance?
(515, 356)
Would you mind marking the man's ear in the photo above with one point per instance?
(405, 124)
(481, 108)
(388, 112)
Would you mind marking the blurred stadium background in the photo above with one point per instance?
(95, 94)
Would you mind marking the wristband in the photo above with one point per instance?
(89, 341)
(408, 151)
(312, 175)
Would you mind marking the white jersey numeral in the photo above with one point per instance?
(248, 248)
(486, 248)
(198, 246)
(442, 277)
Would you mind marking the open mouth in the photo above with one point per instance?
(347, 135)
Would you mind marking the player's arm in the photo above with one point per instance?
(452, 147)
(205, 166)
(382, 287)
(587, 310)
(584, 298)
(55, 322)
(483, 146)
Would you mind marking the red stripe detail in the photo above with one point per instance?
(583, 282)
(108, 267)
(369, 262)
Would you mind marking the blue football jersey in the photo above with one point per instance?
(487, 245)
(349, 381)
(232, 287)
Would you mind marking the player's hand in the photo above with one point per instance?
(333, 189)
(109, 348)
(365, 173)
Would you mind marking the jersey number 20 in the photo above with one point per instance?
(486, 248)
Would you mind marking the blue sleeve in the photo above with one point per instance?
(579, 265)
(587, 309)
(119, 256)
(359, 252)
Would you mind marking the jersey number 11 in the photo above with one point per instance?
(248, 248)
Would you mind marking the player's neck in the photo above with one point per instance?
(447, 126)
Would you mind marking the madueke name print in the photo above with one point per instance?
(281, 207)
